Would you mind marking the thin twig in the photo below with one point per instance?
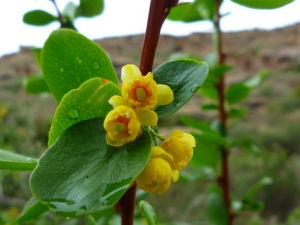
(224, 179)
(59, 15)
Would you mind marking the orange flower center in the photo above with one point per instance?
(140, 92)
(120, 125)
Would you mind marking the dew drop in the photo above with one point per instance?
(73, 114)
(96, 65)
(194, 89)
(78, 60)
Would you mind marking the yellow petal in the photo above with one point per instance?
(149, 75)
(180, 146)
(116, 101)
(158, 152)
(175, 175)
(156, 177)
(177, 133)
(164, 94)
(113, 142)
(190, 138)
(129, 71)
(147, 117)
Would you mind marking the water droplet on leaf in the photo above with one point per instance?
(78, 60)
(194, 89)
(73, 114)
(96, 65)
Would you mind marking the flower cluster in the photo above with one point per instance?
(173, 155)
(135, 108)
(140, 95)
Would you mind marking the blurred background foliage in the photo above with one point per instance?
(270, 118)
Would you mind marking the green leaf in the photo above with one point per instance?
(38, 56)
(14, 161)
(250, 205)
(294, 216)
(36, 84)
(207, 150)
(184, 77)
(89, 8)
(80, 174)
(196, 11)
(89, 101)
(193, 174)
(216, 208)
(33, 209)
(38, 18)
(148, 212)
(264, 181)
(257, 80)
(219, 70)
(69, 59)
(194, 123)
(209, 107)
(209, 92)
(70, 11)
(263, 4)
(237, 93)
(237, 113)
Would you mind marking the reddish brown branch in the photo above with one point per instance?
(159, 10)
(126, 206)
(224, 179)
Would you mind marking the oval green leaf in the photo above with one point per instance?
(148, 212)
(184, 77)
(69, 59)
(216, 208)
(263, 4)
(14, 161)
(237, 93)
(89, 101)
(32, 209)
(80, 174)
(196, 11)
(38, 18)
(36, 84)
(89, 8)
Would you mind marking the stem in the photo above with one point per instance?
(127, 204)
(159, 10)
(59, 15)
(224, 179)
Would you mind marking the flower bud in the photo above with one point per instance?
(180, 145)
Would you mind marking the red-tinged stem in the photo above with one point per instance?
(224, 179)
(127, 204)
(159, 10)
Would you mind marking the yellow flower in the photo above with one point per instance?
(158, 174)
(142, 91)
(180, 145)
(146, 117)
(122, 126)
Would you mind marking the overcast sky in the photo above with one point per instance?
(128, 17)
